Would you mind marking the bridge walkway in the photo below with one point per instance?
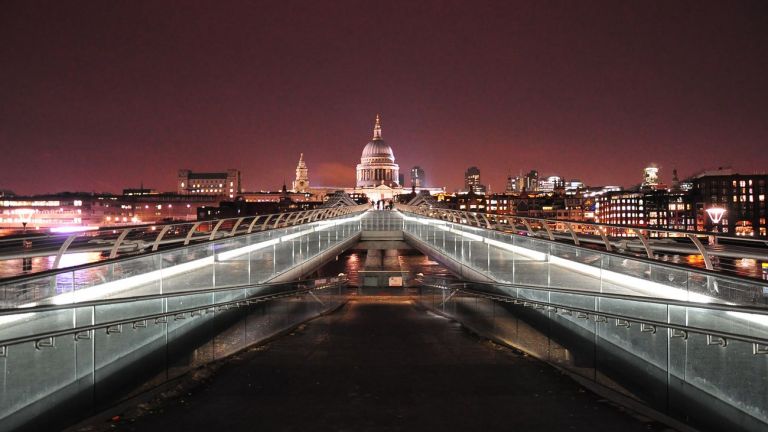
(381, 363)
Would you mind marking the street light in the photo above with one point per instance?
(26, 216)
(715, 215)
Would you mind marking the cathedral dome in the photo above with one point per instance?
(378, 149)
(377, 164)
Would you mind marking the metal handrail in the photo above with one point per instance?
(760, 345)
(659, 263)
(655, 300)
(144, 297)
(106, 325)
(456, 216)
(199, 240)
(589, 223)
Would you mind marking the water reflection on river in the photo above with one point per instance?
(15, 267)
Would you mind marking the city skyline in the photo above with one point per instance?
(117, 95)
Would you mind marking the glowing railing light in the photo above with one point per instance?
(114, 287)
(624, 280)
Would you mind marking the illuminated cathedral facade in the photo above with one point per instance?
(378, 175)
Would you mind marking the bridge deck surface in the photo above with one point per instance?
(381, 363)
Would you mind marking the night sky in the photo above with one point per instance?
(102, 95)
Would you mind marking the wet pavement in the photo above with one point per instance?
(380, 364)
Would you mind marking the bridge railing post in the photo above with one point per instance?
(266, 222)
(216, 229)
(120, 238)
(192, 232)
(237, 225)
(702, 251)
(252, 224)
(63, 250)
(156, 243)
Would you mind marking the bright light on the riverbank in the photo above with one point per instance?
(73, 229)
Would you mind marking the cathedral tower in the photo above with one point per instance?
(301, 184)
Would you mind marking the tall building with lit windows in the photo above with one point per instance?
(531, 182)
(653, 209)
(620, 208)
(650, 177)
(742, 196)
(673, 210)
(472, 181)
(418, 178)
(225, 183)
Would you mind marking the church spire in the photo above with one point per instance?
(377, 128)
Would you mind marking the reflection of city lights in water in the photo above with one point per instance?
(746, 263)
(742, 267)
(14, 267)
(75, 259)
